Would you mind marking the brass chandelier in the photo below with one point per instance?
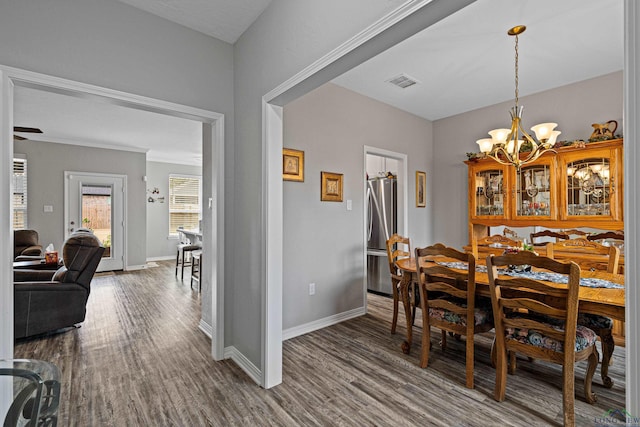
(505, 144)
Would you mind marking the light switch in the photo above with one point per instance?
(48, 208)
(349, 205)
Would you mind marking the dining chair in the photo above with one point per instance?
(539, 320)
(547, 233)
(448, 301)
(601, 325)
(398, 247)
(494, 244)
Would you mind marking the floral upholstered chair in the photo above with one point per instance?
(539, 320)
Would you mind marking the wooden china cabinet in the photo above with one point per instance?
(577, 187)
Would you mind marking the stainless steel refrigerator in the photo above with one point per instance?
(382, 222)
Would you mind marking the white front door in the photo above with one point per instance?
(96, 202)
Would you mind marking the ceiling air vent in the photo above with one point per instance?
(403, 81)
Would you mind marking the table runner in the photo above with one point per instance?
(539, 275)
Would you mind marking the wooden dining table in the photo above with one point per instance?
(602, 301)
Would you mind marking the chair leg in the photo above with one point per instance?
(568, 394)
(426, 336)
(588, 378)
(469, 363)
(443, 343)
(182, 271)
(177, 260)
(396, 302)
(512, 362)
(606, 338)
(501, 372)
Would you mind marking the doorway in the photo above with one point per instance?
(213, 191)
(97, 202)
(385, 210)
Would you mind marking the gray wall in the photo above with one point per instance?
(287, 37)
(46, 163)
(110, 44)
(323, 242)
(159, 245)
(574, 107)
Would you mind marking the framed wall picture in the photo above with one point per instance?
(292, 165)
(330, 187)
(421, 189)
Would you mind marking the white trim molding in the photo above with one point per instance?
(206, 328)
(322, 323)
(244, 363)
(631, 133)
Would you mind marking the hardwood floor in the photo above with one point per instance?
(140, 360)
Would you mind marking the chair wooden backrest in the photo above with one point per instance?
(575, 232)
(534, 298)
(548, 233)
(588, 254)
(480, 247)
(397, 247)
(611, 235)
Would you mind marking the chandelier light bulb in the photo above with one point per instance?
(499, 136)
(486, 144)
(543, 130)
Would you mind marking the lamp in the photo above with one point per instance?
(505, 144)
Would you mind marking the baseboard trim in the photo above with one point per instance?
(245, 364)
(206, 328)
(135, 267)
(161, 258)
(322, 323)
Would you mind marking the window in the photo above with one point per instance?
(19, 193)
(184, 202)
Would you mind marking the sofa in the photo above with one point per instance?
(46, 301)
(26, 245)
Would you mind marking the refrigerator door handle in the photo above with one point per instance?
(369, 214)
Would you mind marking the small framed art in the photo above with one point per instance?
(292, 165)
(421, 189)
(330, 187)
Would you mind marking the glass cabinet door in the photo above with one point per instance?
(489, 198)
(535, 191)
(589, 187)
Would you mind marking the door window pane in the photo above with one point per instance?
(96, 213)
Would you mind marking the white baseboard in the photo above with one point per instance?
(161, 258)
(135, 267)
(322, 323)
(206, 328)
(245, 364)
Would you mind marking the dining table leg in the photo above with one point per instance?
(608, 345)
(406, 301)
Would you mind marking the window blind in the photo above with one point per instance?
(184, 202)
(19, 194)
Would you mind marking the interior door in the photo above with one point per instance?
(96, 202)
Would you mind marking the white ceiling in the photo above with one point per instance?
(463, 63)
(223, 19)
(466, 61)
(89, 122)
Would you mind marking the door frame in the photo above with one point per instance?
(403, 189)
(213, 169)
(125, 223)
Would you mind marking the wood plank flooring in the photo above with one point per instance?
(140, 360)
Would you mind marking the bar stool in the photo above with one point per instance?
(196, 268)
(183, 249)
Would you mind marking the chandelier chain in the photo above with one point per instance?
(517, 72)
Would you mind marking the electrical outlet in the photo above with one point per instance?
(312, 288)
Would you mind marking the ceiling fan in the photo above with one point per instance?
(24, 130)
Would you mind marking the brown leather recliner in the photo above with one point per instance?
(45, 301)
(26, 244)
